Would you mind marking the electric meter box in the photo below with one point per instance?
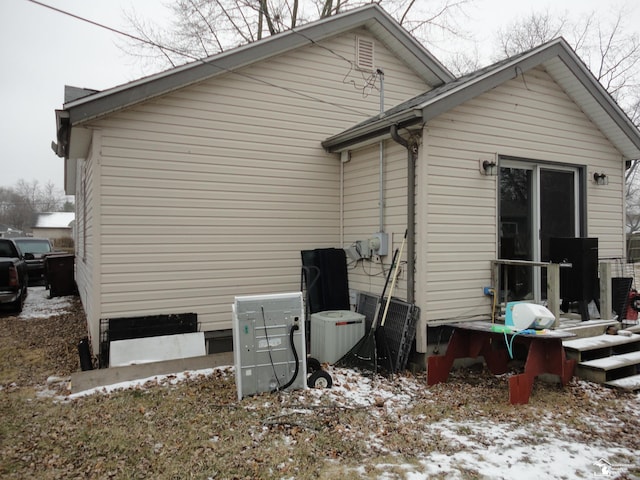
(334, 333)
(269, 343)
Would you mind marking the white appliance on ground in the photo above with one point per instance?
(269, 343)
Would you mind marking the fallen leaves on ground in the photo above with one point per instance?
(196, 428)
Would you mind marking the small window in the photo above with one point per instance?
(364, 54)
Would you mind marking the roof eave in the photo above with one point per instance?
(629, 146)
(628, 143)
(371, 16)
(371, 131)
(430, 109)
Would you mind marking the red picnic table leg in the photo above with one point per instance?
(439, 366)
(495, 356)
(520, 387)
(466, 344)
(543, 357)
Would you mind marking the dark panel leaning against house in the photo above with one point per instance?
(311, 281)
(325, 273)
(620, 288)
(112, 329)
(580, 282)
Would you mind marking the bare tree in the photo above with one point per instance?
(461, 63)
(610, 51)
(200, 28)
(632, 199)
(20, 204)
(40, 198)
(529, 32)
(14, 211)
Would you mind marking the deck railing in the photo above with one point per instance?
(553, 283)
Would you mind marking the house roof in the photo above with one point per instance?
(55, 220)
(372, 17)
(559, 60)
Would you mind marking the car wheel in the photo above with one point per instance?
(16, 306)
(19, 303)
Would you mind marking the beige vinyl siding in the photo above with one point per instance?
(529, 118)
(362, 216)
(85, 243)
(213, 190)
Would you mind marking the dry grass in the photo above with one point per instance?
(197, 429)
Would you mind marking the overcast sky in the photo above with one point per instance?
(42, 51)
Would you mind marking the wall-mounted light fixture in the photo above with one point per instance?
(488, 167)
(600, 179)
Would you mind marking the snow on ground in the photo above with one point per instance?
(526, 452)
(39, 305)
(505, 451)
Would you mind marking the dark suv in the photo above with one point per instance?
(39, 247)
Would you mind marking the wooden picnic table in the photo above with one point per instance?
(545, 354)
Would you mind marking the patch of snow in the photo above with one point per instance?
(600, 341)
(172, 379)
(525, 453)
(55, 219)
(614, 361)
(629, 383)
(39, 305)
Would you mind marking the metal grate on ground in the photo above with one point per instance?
(399, 328)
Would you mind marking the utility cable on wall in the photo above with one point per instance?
(369, 81)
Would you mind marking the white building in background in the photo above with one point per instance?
(53, 225)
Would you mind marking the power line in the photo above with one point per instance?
(203, 61)
(100, 25)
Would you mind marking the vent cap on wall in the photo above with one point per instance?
(365, 54)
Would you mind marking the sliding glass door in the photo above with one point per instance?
(536, 202)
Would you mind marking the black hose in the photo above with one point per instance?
(295, 356)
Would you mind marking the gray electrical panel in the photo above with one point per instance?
(269, 343)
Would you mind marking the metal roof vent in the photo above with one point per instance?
(364, 54)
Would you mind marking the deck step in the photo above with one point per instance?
(631, 383)
(588, 328)
(600, 346)
(602, 370)
(632, 328)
